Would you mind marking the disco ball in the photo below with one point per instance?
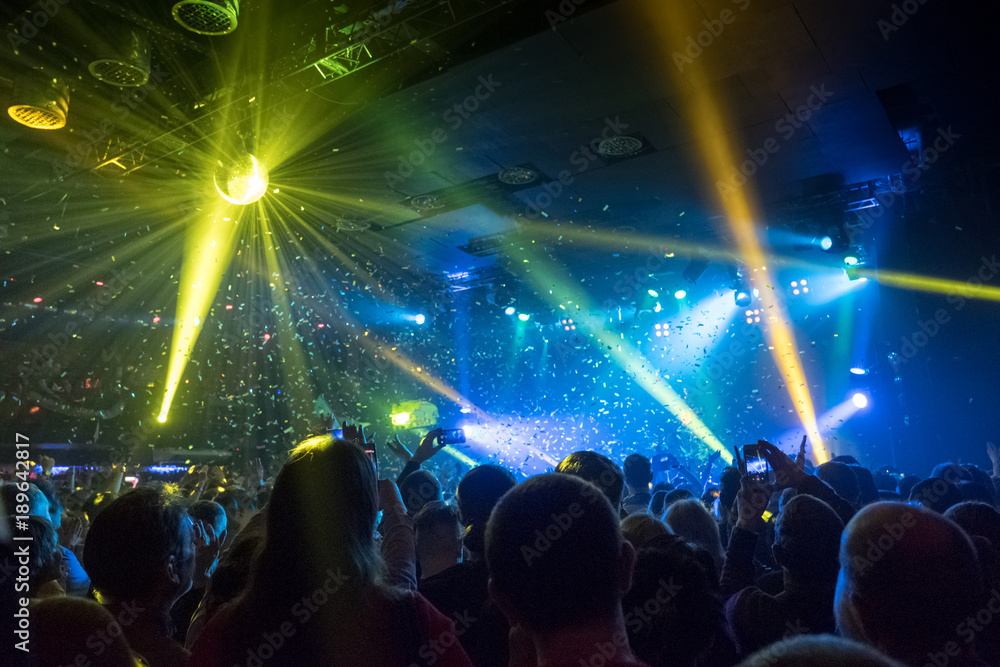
(243, 181)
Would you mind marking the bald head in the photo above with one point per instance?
(908, 578)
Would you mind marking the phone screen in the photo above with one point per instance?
(757, 467)
(452, 436)
(373, 457)
(338, 434)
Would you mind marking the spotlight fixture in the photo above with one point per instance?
(568, 325)
(826, 243)
(753, 316)
(851, 260)
(509, 310)
(857, 370)
(524, 317)
(243, 181)
(859, 400)
(653, 293)
(420, 319)
(413, 414)
(208, 17)
(400, 418)
(742, 294)
(128, 65)
(743, 298)
(40, 103)
(660, 330)
(800, 287)
(680, 294)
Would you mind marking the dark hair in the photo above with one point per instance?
(885, 481)
(846, 459)
(638, 471)
(433, 515)
(321, 519)
(418, 489)
(867, 491)
(43, 554)
(841, 478)
(207, 511)
(729, 486)
(977, 518)
(673, 611)
(807, 534)
(130, 540)
(64, 628)
(477, 494)
(818, 651)
(597, 469)
(906, 485)
(656, 503)
(552, 547)
(936, 494)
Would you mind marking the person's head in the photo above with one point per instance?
(656, 503)
(476, 495)
(638, 473)
(908, 578)
(951, 472)
(30, 498)
(599, 470)
(818, 651)
(846, 459)
(807, 536)
(238, 505)
(689, 519)
(320, 520)
(673, 612)
(974, 491)
(729, 486)
(843, 480)
(906, 485)
(868, 492)
(419, 488)
(55, 505)
(556, 556)
(886, 481)
(977, 518)
(44, 556)
(641, 527)
(141, 547)
(211, 514)
(983, 479)
(64, 628)
(675, 496)
(438, 535)
(935, 494)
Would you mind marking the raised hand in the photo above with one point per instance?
(398, 448)
(741, 464)
(355, 434)
(800, 459)
(427, 447)
(207, 547)
(786, 472)
(994, 454)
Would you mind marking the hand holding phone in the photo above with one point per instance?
(757, 468)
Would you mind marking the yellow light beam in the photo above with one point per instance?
(206, 257)
(674, 23)
(556, 288)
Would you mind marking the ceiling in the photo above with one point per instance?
(403, 181)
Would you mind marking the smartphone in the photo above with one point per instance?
(452, 436)
(757, 467)
(338, 434)
(373, 457)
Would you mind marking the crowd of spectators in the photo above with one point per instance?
(328, 562)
